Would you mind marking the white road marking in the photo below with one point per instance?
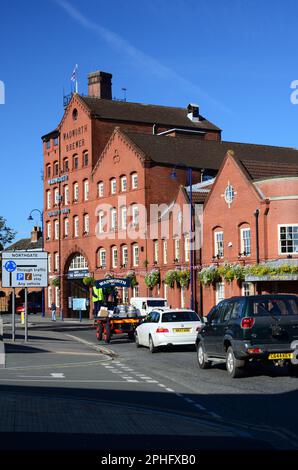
(62, 380)
(58, 375)
(197, 405)
(161, 385)
(132, 380)
(152, 381)
(169, 390)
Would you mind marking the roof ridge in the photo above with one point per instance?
(258, 145)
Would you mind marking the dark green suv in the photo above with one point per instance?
(242, 329)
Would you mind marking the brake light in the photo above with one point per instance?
(255, 351)
(162, 330)
(247, 323)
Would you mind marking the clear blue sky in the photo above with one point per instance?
(235, 58)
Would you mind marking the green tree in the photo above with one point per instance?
(7, 234)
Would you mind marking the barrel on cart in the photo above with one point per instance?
(123, 320)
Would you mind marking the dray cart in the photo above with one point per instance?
(106, 327)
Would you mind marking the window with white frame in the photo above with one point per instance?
(76, 226)
(245, 241)
(86, 190)
(56, 229)
(49, 296)
(114, 257)
(102, 255)
(134, 180)
(219, 292)
(113, 219)
(66, 227)
(86, 223)
(135, 291)
(56, 261)
(288, 238)
(66, 195)
(219, 244)
(56, 196)
(165, 291)
(76, 192)
(49, 199)
(123, 183)
(177, 249)
(78, 262)
(49, 262)
(124, 256)
(165, 251)
(49, 230)
(135, 255)
(247, 288)
(123, 213)
(113, 186)
(125, 295)
(155, 248)
(57, 297)
(135, 214)
(101, 221)
(100, 189)
(186, 247)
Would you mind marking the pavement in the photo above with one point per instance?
(61, 391)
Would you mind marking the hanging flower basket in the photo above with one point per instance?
(183, 277)
(89, 281)
(56, 282)
(131, 275)
(171, 277)
(152, 278)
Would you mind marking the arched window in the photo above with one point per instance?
(76, 226)
(135, 254)
(218, 237)
(123, 181)
(56, 229)
(85, 159)
(113, 186)
(75, 162)
(65, 165)
(86, 190)
(123, 217)
(56, 168)
(66, 195)
(49, 199)
(114, 254)
(78, 262)
(75, 192)
(66, 227)
(245, 240)
(86, 224)
(102, 258)
(134, 180)
(100, 189)
(124, 256)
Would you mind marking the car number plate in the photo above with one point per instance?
(281, 356)
(181, 330)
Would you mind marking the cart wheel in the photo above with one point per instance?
(99, 332)
(131, 335)
(107, 333)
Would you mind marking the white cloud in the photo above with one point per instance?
(138, 56)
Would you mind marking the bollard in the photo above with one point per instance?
(22, 318)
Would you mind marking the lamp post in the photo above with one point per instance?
(189, 178)
(30, 218)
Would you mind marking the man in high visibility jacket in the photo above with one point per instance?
(97, 299)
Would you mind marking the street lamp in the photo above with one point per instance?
(30, 218)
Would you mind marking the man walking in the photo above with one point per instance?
(53, 309)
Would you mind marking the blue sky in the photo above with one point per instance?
(235, 58)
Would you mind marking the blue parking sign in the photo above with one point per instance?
(20, 276)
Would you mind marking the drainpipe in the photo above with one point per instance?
(256, 214)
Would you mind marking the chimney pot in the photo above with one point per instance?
(100, 85)
(36, 234)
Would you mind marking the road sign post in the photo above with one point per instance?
(26, 314)
(13, 335)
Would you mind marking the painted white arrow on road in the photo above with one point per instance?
(54, 375)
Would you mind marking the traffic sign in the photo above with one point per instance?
(10, 266)
(24, 269)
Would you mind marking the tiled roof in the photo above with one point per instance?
(25, 244)
(146, 113)
(258, 160)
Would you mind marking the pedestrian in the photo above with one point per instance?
(53, 309)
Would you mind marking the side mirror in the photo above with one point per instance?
(205, 320)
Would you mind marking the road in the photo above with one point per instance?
(60, 384)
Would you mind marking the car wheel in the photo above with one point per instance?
(152, 348)
(202, 357)
(235, 367)
(137, 340)
(293, 370)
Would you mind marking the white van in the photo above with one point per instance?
(146, 304)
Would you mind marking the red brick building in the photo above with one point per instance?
(108, 162)
(251, 217)
(85, 154)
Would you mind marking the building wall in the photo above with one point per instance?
(218, 216)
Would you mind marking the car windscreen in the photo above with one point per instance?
(272, 306)
(155, 303)
(171, 317)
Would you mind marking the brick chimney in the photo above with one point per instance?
(100, 85)
(36, 234)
